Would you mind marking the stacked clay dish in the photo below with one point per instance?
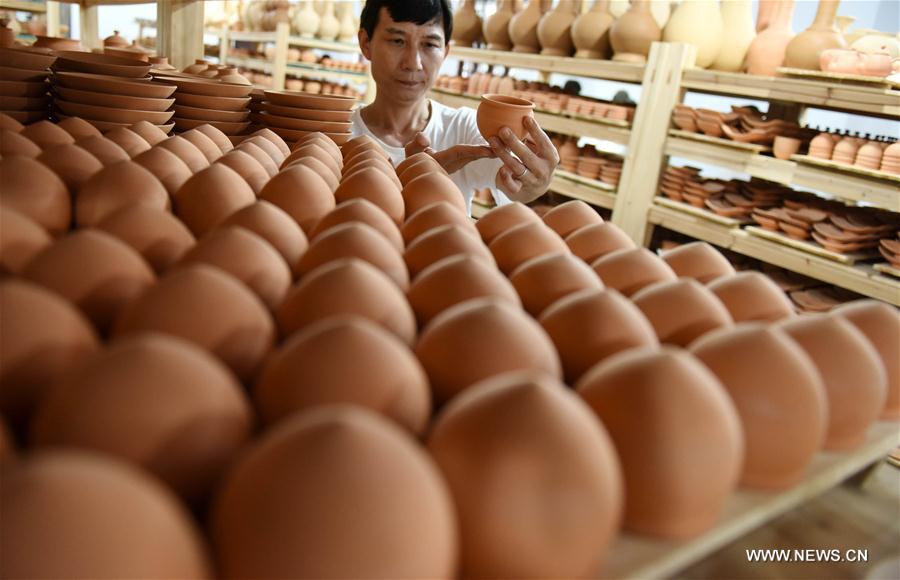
(293, 115)
(209, 101)
(868, 154)
(23, 86)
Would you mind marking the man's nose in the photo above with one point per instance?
(412, 60)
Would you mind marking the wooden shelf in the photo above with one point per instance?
(614, 131)
(581, 67)
(692, 225)
(257, 64)
(244, 36)
(326, 73)
(332, 45)
(24, 6)
(859, 99)
(588, 190)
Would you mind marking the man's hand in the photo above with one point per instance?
(452, 159)
(526, 175)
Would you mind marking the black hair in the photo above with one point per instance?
(415, 11)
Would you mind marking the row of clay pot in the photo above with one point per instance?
(857, 151)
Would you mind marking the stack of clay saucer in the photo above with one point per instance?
(697, 190)
(673, 181)
(848, 232)
(611, 172)
(590, 165)
(108, 91)
(748, 198)
(293, 115)
(201, 101)
(890, 249)
(23, 83)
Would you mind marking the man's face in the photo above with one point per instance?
(405, 57)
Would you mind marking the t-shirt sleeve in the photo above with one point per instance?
(478, 174)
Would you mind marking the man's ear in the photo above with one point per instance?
(364, 43)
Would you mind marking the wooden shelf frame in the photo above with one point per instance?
(587, 190)
(331, 45)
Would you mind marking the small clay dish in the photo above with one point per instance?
(98, 113)
(724, 208)
(217, 103)
(25, 103)
(303, 124)
(23, 88)
(27, 58)
(767, 223)
(711, 128)
(842, 248)
(292, 135)
(685, 122)
(694, 200)
(130, 87)
(102, 64)
(202, 114)
(310, 101)
(198, 86)
(309, 114)
(498, 111)
(26, 117)
(115, 101)
(8, 73)
(794, 232)
(229, 128)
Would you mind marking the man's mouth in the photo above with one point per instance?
(410, 84)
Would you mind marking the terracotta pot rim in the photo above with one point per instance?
(507, 101)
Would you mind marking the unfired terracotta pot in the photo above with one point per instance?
(498, 111)
(496, 26)
(590, 32)
(804, 49)
(738, 34)
(632, 33)
(681, 311)
(766, 52)
(302, 193)
(554, 28)
(697, 22)
(523, 26)
(466, 25)
(544, 280)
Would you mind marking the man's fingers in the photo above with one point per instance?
(544, 145)
(521, 150)
(509, 161)
(506, 182)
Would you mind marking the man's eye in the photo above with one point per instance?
(397, 41)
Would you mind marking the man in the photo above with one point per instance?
(406, 43)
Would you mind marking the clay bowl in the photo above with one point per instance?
(498, 111)
(205, 114)
(685, 122)
(303, 124)
(34, 59)
(711, 128)
(25, 103)
(131, 87)
(113, 101)
(309, 114)
(228, 128)
(23, 88)
(216, 103)
(98, 113)
(206, 87)
(310, 101)
(89, 62)
(25, 117)
(794, 232)
(21, 74)
(290, 135)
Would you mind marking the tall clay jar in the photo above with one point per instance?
(697, 22)
(633, 33)
(737, 18)
(766, 52)
(524, 25)
(804, 50)
(590, 32)
(466, 25)
(555, 28)
(329, 25)
(496, 26)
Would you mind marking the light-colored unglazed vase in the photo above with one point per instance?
(697, 22)
(466, 25)
(554, 28)
(633, 33)
(737, 17)
(661, 10)
(496, 26)
(329, 25)
(766, 52)
(804, 49)
(523, 27)
(347, 32)
(306, 20)
(590, 32)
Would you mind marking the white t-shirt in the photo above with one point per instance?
(447, 127)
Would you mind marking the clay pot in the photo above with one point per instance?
(570, 216)
(496, 26)
(131, 142)
(105, 150)
(752, 296)
(855, 378)
(881, 325)
(779, 396)
(554, 29)
(698, 22)
(766, 52)
(271, 148)
(422, 167)
(44, 338)
(737, 35)
(34, 190)
(373, 185)
(493, 336)
(79, 128)
(804, 49)
(158, 236)
(523, 27)
(115, 40)
(432, 216)
(681, 311)
(572, 459)
(324, 460)
(317, 151)
(217, 137)
(630, 270)
(12, 143)
(632, 33)
(306, 20)
(348, 286)
(246, 256)
(385, 377)
(275, 140)
(364, 211)
(443, 242)
(171, 171)
(175, 390)
(21, 238)
(684, 413)
(590, 325)
(71, 163)
(10, 124)
(46, 134)
(544, 280)
(466, 25)
(524, 242)
(198, 66)
(276, 227)
(210, 196)
(260, 156)
(783, 147)
(320, 168)
(103, 194)
(430, 188)
(248, 168)
(498, 111)
(590, 32)
(595, 241)
(302, 193)
(210, 308)
(502, 219)
(206, 145)
(698, 260)
(59, 499)
(149, 132)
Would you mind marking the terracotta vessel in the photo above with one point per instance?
(251, 170)
(855, 378)
(681, 311)
(276, 227)
(572, 459)
(430, 188)
(767, 51)
(347, 286)
(503, 218)
(779, 395)
(300, 192)
(698, 260)
(544, 280)
(443, 242)
(46, 134)
(496, 26)
(12, 143)
(697, 22)
(306, 20)
(524, 24)
(431, 216)
(79, 128)
(374, 186)
(103, 194)
(752, 296)
(187, 152)
(804, 49)
(595, 241)
(630, 270)
(738, 34)
(171, 171)
(590, 32)
(364, 211)
(37, 192)
(325, 459)
(524, 242)
(632, 33)
(131, 142)
(71, 163)
(21, 238)
(466, 25)
(210, 196)
(158, 236)
(570, 216)
(329, 25)
(555, 29)
(105, 150)
(684, 413)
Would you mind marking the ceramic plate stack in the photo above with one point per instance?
(23, 83)
(206, 101)
(293, 115)
(108, 91)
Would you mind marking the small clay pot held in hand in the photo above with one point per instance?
(498, 111)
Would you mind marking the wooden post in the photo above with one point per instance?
(660, 91)
(224, 44)
(179, 30)
(90, 27)
(52, 18)
(279, 65)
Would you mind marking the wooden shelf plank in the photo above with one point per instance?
(587, 190)
(23, 6)
(700, 212)
(728, 143)
(250, 63)
(326, 73)
(636, 556)
(583, 67)
(332, 45)
(691, 225)
(244, 36)
(608, 130)
(811, 247)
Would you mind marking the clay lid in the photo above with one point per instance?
(115, 40)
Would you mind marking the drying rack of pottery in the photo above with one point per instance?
(744, 125)
(23, 86)
(878, 157)
(294, 115)
(807, 294)
(587, 161)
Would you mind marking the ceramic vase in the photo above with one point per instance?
(661, 10)
(633, 33)
(804, 49)
(306, 20)
(329, 25)
(590, 32)
(466, 25)
(737, 17)
(523, 27)
(554, 29)
(697, 22)
(766, 52)
(496, 26)
(347, 32)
